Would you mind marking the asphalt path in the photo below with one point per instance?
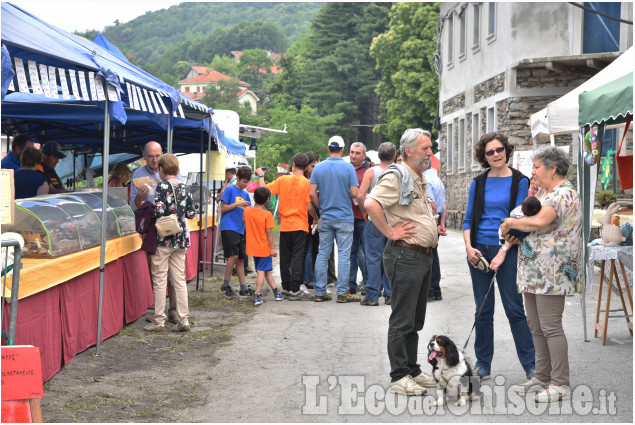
(327, 362)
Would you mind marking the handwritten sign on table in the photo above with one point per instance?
(7, 194)
(21, 372)
(216, 169)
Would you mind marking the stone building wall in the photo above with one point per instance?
(489, 87)
(454, 104)
(528, 78)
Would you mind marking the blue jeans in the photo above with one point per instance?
(512, 303)
(358, 257)
(308, 265)
(343, 233)
(374, 244)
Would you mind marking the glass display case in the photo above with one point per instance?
(54, 225)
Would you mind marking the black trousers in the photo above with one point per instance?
(292, 257)
(409, 274)
(435, 279)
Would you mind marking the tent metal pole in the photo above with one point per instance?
(211, 260)
(584, 190)
(200, 216)
(169, 141)
(104, 216)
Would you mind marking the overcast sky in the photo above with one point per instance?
(81, 15)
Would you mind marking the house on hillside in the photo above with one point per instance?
(198, 79)
(498, 63)
(275, 58)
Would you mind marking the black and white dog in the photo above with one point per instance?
(450, 370)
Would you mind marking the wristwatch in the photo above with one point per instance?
(504, 248)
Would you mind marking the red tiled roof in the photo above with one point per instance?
(210, 77)
(202, 69)
(237, 53)
(194, 96)
(275, 56)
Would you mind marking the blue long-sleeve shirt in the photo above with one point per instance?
(496, 206)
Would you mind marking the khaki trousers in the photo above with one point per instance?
(544, 316)
(169, 261)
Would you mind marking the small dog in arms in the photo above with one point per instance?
(450, 370)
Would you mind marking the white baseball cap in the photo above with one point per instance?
(336, 142)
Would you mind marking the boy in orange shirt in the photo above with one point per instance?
(294, 206)
(259, 237)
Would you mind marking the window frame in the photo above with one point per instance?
(450, 148)
(450, 41)
(463, 34)
(491, 127)
(476, 30)
(476, 135)
(491, 22)
(462, 128)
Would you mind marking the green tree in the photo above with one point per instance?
(222, 95)
(180, 69)
(255, 69)
(409, 88)
(226, 65)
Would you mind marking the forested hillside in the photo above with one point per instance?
(148, 38)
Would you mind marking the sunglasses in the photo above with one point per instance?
(497, 150)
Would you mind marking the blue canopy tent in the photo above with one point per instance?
(59, 86)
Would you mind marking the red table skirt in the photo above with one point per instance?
(62, 320)
(191, 256)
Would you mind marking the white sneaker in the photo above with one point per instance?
(328, 291)
(531, 386)
(555, 393)
(304, 289)
(425, 380)
(406, 386)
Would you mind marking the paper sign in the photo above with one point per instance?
(19, 71)
(216, 161)
(44, 74)
(523, 160)
(35, 78)
(82, 85)
(145, 94)
(76, 94)
(21, 372)
(101, 96)
(53, 83)
(7, 195)
(91, 84)
(65, 93)
(112, 92)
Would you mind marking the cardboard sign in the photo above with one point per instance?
(21, 372)
(216, 169)
(7, 209)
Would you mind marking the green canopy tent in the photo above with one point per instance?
(606, 105)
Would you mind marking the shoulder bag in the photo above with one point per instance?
(168, 225)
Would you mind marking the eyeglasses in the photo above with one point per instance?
(153, 156)
(493, 151)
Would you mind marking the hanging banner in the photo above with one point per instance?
(101, 96)
(91, 83)
(53, 83)
(112, 92)
(35, 78)
(19, 72)
(64, 84)
(76, 95)
(82, 85)
(44, 74)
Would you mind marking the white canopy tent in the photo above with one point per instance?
(561, 115)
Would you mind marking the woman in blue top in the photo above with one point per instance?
(492, 196)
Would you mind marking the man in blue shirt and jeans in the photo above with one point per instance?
(336, 182)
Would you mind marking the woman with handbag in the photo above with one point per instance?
(172, 204)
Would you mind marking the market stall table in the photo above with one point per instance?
(58, 299)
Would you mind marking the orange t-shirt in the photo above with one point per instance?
(294, 194)
(257, 221)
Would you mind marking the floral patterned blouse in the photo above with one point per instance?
(550, 259)
(164, 204)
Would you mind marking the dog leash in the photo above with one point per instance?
(479, 312)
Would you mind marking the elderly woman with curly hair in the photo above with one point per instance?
(549, 268)
(492, 196)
